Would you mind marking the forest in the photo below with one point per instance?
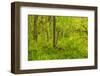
(57, 37)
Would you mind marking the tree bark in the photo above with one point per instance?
(35, 28)
(47, 36)
(57, 37)
(54, 32)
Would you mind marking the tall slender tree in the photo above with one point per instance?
(35, 28)
(54, 31)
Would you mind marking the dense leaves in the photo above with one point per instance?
(57, 37)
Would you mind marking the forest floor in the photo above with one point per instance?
(51, 53)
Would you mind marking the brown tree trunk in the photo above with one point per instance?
(54, 31)
(57, 37)
(47, 36)
(35, 28)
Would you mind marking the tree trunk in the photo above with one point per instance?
(54, 32)
(57, 37)
(35, 28)
(47, 36)
(62, 33)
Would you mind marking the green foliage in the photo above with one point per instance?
(71, 35)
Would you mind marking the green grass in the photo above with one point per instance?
(51, 54)
(74, 49)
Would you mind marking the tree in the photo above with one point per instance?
(35, 28)
(54, 31)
